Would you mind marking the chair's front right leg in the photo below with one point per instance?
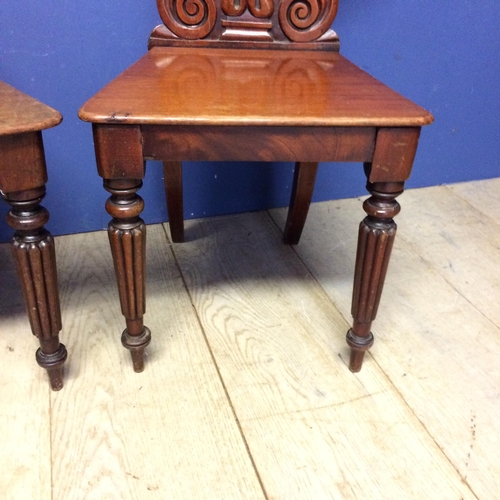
(376, 236)
(127, 237)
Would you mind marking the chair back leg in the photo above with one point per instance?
(172, 174)
(304, 178)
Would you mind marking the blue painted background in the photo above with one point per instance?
(442, 54)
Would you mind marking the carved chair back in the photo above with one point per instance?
(282, 24)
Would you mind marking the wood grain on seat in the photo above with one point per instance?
(182, 86)
(21, 113)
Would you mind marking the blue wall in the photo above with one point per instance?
(442, 54)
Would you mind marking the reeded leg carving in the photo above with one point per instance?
(127, 237)
(172, 176)
(304, 178)
(376, 237)
(34, 255)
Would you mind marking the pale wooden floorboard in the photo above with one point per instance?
(435, 345)
(314, 429)
(24, 398)
(482, 195)
(168, 432)
(458, 241)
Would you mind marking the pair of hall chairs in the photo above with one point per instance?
(229, 80)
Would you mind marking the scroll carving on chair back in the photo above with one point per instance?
(283, 24)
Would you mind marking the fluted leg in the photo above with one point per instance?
(127, 236)
(34, 255)
(172, 177)
(376, 236)
(304, 178)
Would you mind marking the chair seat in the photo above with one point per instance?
(20, 113)
(182, 86)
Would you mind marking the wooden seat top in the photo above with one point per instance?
(21, 113)
(186, 86)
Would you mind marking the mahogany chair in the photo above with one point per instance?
(22, 184)
(250, 80)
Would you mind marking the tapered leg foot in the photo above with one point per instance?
(304, 178)
(172, 175)
(376, 237)
(359, 345)
(127, 237)
(136, 344)
(34, 255)
(53, 363)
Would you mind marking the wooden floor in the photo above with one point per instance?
(246, 393)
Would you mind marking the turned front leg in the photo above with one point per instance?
(35, 259)
(127, 237)
(376, 237)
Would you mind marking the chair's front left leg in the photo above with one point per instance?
(376, 237)
(127, 237)
(35, 259)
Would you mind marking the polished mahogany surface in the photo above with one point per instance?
(272, 24)
(21, 113)
(177, 85)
